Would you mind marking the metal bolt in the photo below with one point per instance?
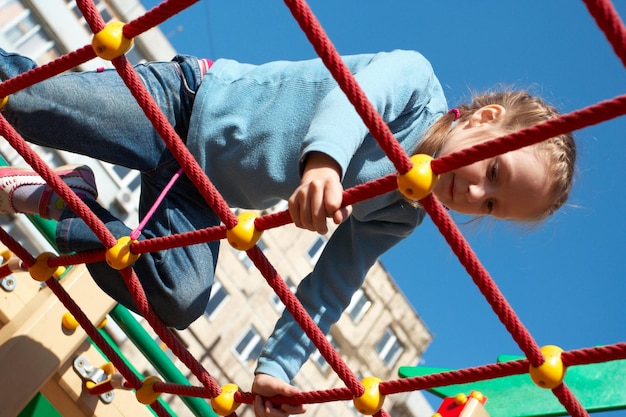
(8, 283)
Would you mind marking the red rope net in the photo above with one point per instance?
(606, 18)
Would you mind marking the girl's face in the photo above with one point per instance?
(511, 186)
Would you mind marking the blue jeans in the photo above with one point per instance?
(94, 114)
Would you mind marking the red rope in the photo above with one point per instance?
(611, 25)
(482, 279)
(569, 401)
(38, 74)
(174, 143)
(87, 257)
(4, 270)
(91, 15)
(594, 355)
(159, 409)
(55, 182)
(155, 17)
(17, 249)
(183, 390)
(607, 20)
(92, 332)
(460, 376)
(346, 81)
(589, 116)
(182, 239)
(292, 304)
(453, 377)
(350, 196)
(144, 308)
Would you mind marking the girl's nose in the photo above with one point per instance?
(475, 193)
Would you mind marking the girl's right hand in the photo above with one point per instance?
(266, 386)
(319, 195)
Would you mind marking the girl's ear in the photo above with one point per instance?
(489, 114)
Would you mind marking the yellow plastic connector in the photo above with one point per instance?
(244, 235)
(3, 102)
(69, 322)
(477, 395)
(59, 272)
(6, 254)
(550, 374)
(371, 401)
(460, 399)
(110, 42)
(420, 180)
(146, 393)
(225, 404)
(119, 256)
(13, 263)
(40, 270)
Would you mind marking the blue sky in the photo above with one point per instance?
(566, 279)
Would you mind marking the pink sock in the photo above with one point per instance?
(26, 200)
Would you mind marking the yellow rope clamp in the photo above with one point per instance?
(146, 393)
(119, 256)
(40, 270)
(244, 235)
(225, 404)
(3, 102)
(110, 42)
(371, 401)
(419, 181)
(551, 372)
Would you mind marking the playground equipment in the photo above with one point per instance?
(29, 329)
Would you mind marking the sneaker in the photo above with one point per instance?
(79, 178)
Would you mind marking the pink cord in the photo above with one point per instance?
(135, 233)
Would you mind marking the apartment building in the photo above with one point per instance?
(380, 330)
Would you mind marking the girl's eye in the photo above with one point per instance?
(493, 171)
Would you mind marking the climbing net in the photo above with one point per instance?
(243, 231)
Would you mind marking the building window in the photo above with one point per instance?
(317, 357)
(278, 305)
(24, 33)
(125, 187)
(218, 298)
(315, 250)
(389, 348)
(359, 305)
(248, 348)
(243, 256)
(101, 7)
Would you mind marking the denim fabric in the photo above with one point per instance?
(94, 114)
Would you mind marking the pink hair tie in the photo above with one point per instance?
(457, 113)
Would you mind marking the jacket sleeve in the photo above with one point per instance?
(326, 292)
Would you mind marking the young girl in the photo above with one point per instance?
(282, 130)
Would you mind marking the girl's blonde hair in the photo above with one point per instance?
(523, 110)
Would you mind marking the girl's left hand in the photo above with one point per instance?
(319, 195)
